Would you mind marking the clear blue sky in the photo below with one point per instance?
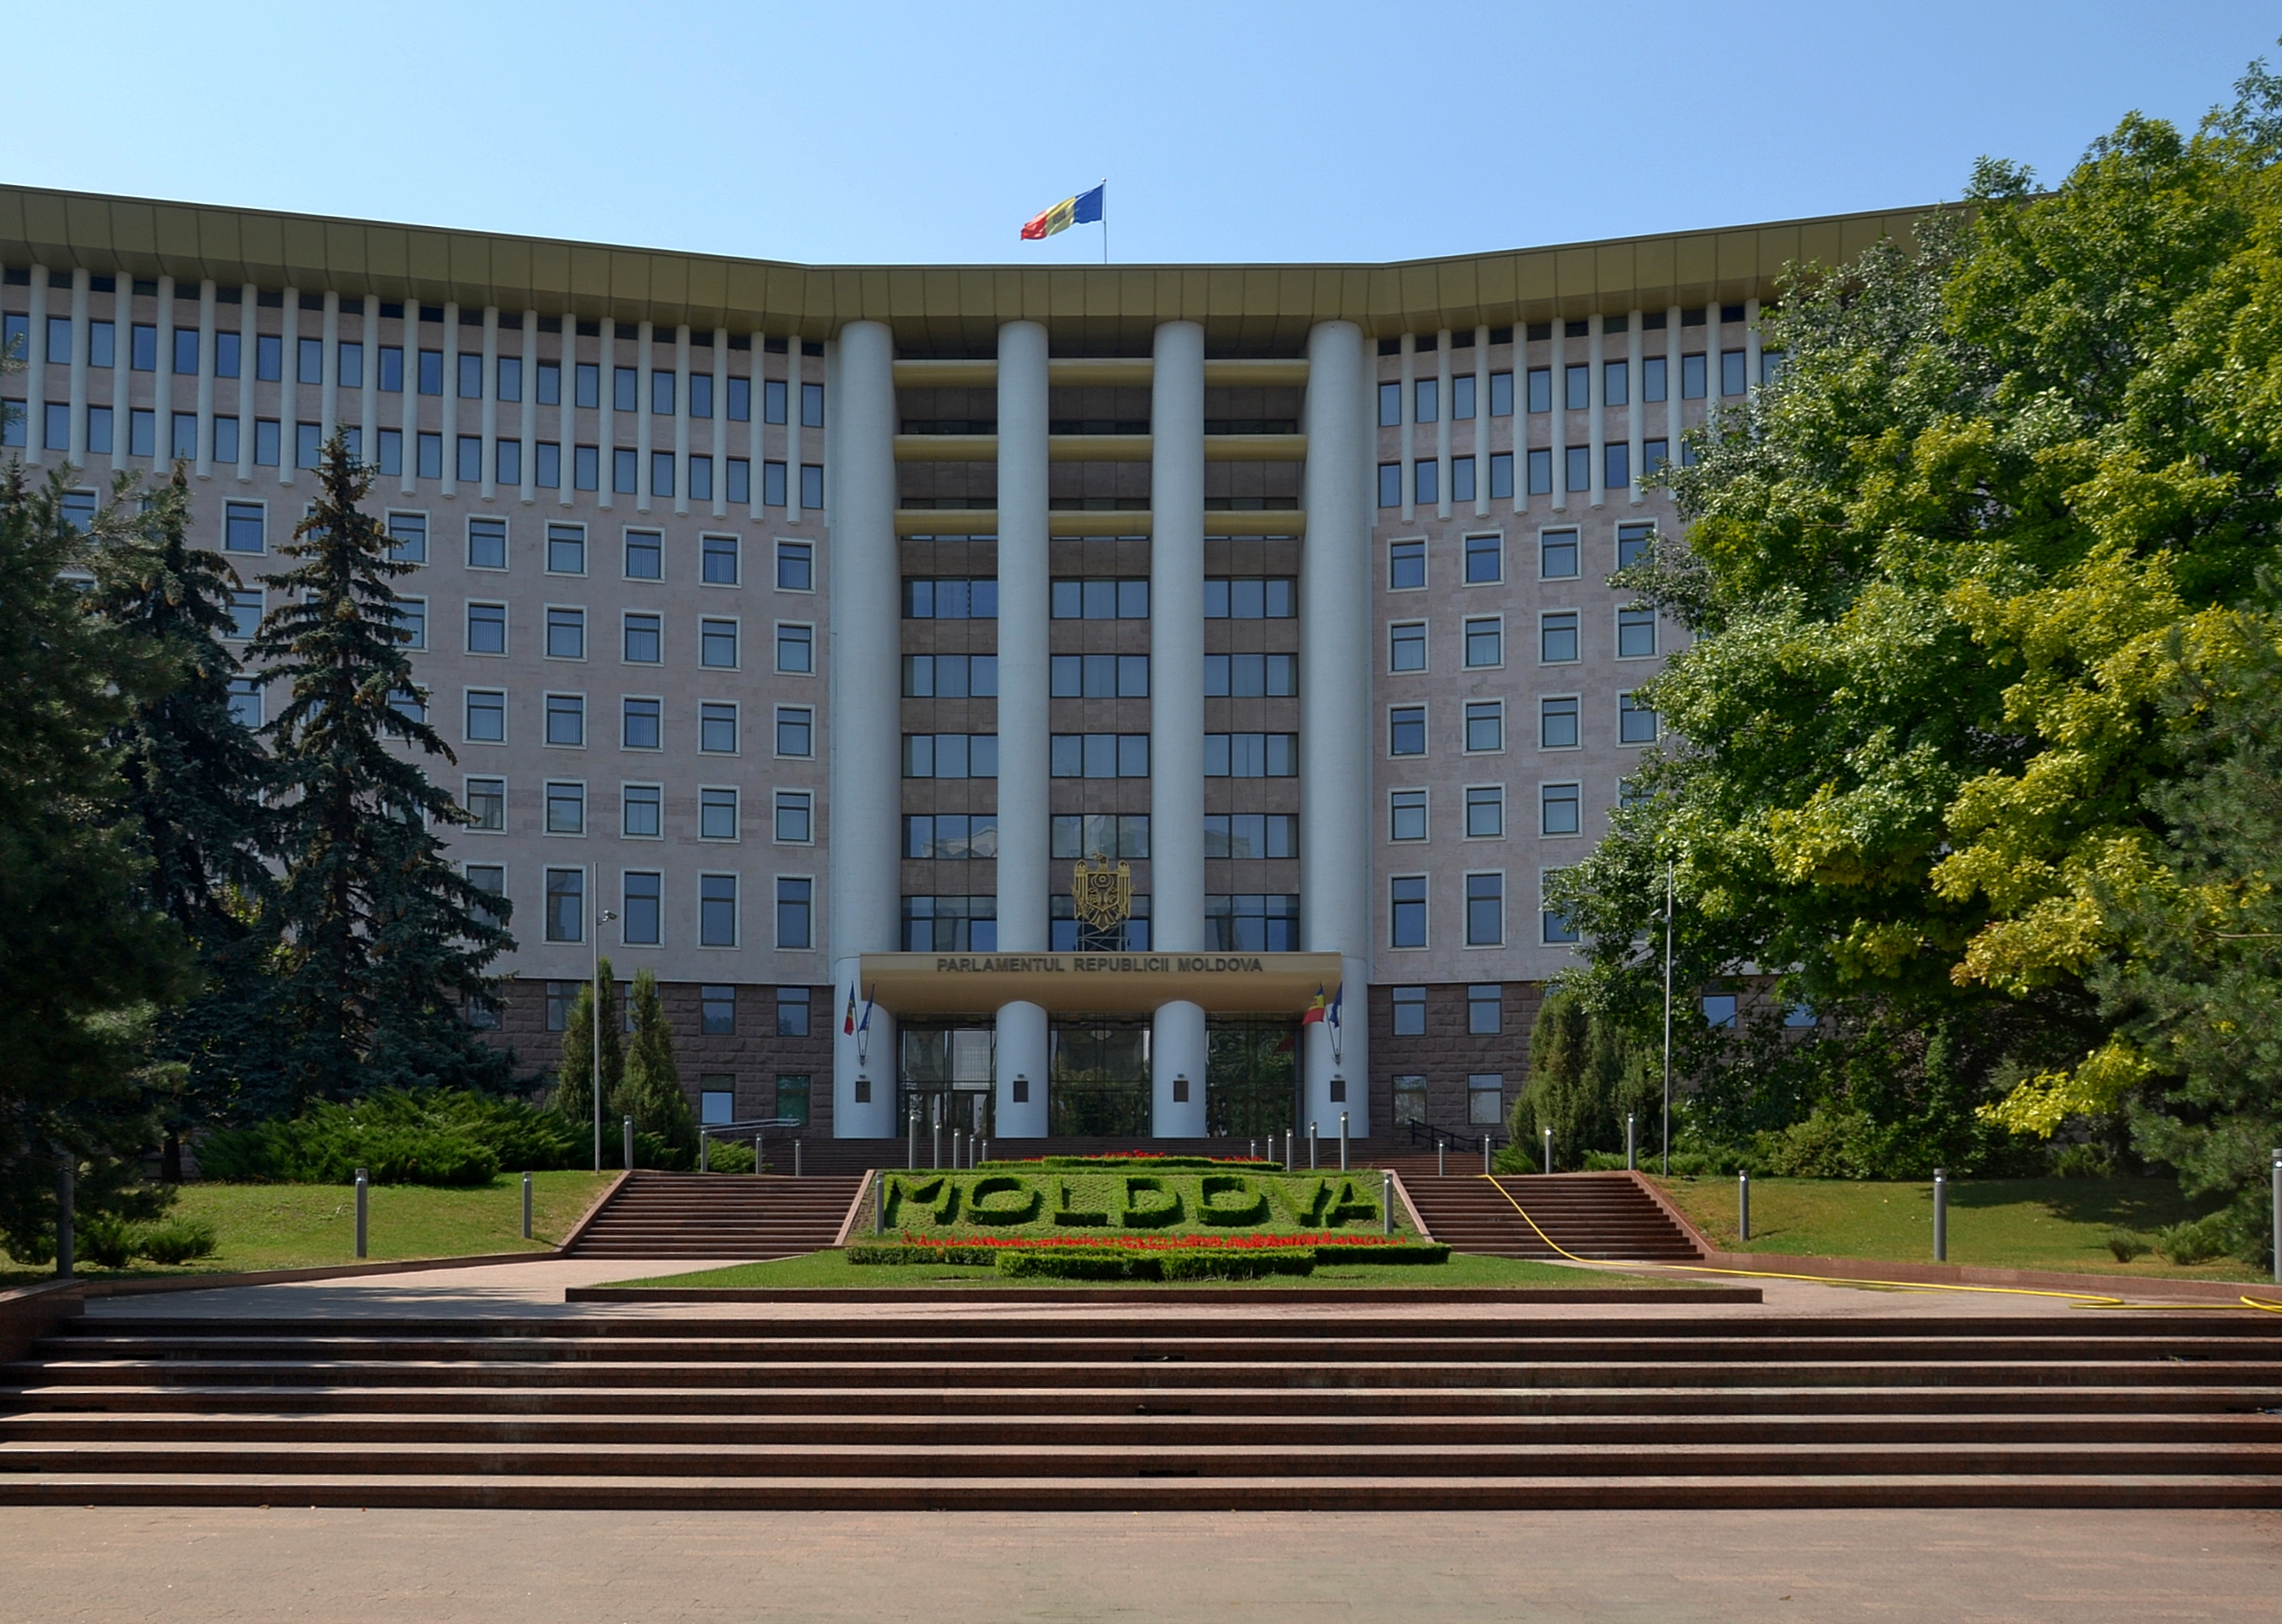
(1230, 130)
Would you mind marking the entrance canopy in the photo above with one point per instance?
(1099, 983)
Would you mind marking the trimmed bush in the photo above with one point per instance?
(1142, 1162)
(1068, 1263)
(889, 1253)
(103, 1239)
(2197, 1241)
(1157, 1215)
(1251, 1264)
(425, 1137)
(2124, 1247)
(1250, 1209)
(1022, 1209)
(1393, 1252)
(177, 1240)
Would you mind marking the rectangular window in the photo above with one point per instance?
(641, 914)
(1654, 454)
(661, 392)
(1578, 473)
(700, 479)
(1390, 406)
(716, 729)
(1241, 597)
(1556, 636)
(773, 484)
(1558, 809)
(1636, 722)
(468, 465)
(566, 634)
(391, 368)
(98, 431)
(812, 485)
(1486, 1009)
(1653, 378)
(1426, 399)
(391, 446)
(244, 614)
(487, 719)
(1616, 383)
(716, 1099)
(1485, 643)
(1501, 395)
(644, 639)
(1390, 485)
(1426, 474)
(245, 701)
(1462, 396)
(716, 813)
(794, 906)
(1577, 386)
(1406, 815)
(811, 406)
(586, 384)
(429, 450)
(412, 622)
(547, 383)
(1554, 927)
(101, 345)
(1540, 389)
(586, 467)
(795, 818)
(1557, 722)
(142, 343)
(1461, 478)
(642, 724)
(1409, 1010)
(716, 1012)
(431, 372)
(1405, 645)
(1406, 730)
(624, 465)
(1635, 634)
(625, 389)
(741, 399)
(566, 549)
(645, 555)
(566, 905)
(1485, 909)
(773, 400)
(1485, 811)
(1632, 544)
(1111, 755)
(268, 442)
(1556, 555)
(566, 719)
(796, 566)
(1406, 565)
(566, 809)
(717, 644)
(508, 462)
(796, 734)
(1250, 755)
(1501, 476)
(792, 1012)
(740, 477)
(1485, 724)
(1616, 465)
(1484, 1099)
(641, 812)
(471, 375)
(1407, 911)
(1691, 377)
(242, 527)
(797, 648)
(661, 473)
(717, 912)
(1731, 372)
(486, 799)
(1540, 473)
(1719, 1010)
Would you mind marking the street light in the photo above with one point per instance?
(594, 994)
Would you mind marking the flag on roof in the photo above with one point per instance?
(1082, 210)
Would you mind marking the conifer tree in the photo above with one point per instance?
(192, 776)
(382, 943)
(574, 1080)
(652, 1090)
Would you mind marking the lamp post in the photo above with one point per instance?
(1667, 1017)
(595, 982)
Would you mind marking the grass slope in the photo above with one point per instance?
(2061, 1224)
(303, 1226)
(833, 1270)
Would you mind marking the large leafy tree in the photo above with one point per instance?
(381, 944)
(190, 794)
(84, 957)
(1941, 575)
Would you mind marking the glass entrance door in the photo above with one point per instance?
(1098, 1086)
(1252, 1076)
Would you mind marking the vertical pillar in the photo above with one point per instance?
(1024, 785)
(487, 408)
(249, 352)
(1482, 426)
(1443, 424)
(206, 359)
(369, 386)
(757, 368)
(1557, 397)
(792, 427)
(1596, 392)
(35, 372)
(1408, 415)
(1675, 409)
(681, 419)
(865, 718)
(162, 389)
(566, 416)
(1711, 355)
(77, 376)
(1335, 724)
(1751, 346)
(721, 423)
(1176, 711)
(122, 372)
(450, 485)
(1635, 431)
(527, 429)
(645, 435)
(329, 368)
(606, 395)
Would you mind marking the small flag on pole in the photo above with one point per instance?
(1314, 1010)
(1082, 210)
(1338, 998)
(848, 1021)
(864, 1025)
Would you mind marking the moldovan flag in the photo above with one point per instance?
(1081, 210)
(848, 1021)
(1314, 1010)
(1338, 999)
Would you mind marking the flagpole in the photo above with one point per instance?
(1104, 219)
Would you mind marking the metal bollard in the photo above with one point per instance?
(911, 1148)
(955, 1164)
(1441, 1158)
(1632, 1159)
(2278, 1216)
(795, 1158)
(1312, 1141)
(880, 1203)
(1386, 1203)
(526, 1205)
(937, 1162)
(630, 1144)
(1487, 1136)
(1548, 1150)
(1252, 1150)
(361, 1188)
(986, 1152)
(1744, 1205)
(1940, 1215)
(1343, 1141)
(756, 1155)
(705, 1152)
(67, 1214)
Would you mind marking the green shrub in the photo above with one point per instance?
(1235, 1264)
(177, 1240)
(891, 1253)
(103, 1239)
(2126, 1247)
(1251, 1210)
(2196, 1241)
(979, 1210)
(425, 1136)
(728, 1157)
(1072, 1263)
(1159, 1214)
(1395, 1252)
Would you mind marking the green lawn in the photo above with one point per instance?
(833, 1269)
(940, 1205)
(298, 1226)
(2054, 1223)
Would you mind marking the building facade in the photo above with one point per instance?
(1071, 679)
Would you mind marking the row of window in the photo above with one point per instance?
(957, 836)
(1576, 386)
(429, 370)
(1484, 1099)
(641, 907)
(1099, 755)
(1558, 718)
(717, 1008)
(1559, 556)
(1560, 811)
(642, 811)
(641, 721)
(641, 633)
(1273, 597)
(1482, 641)
(1482, 913)
(1577, 473)
(1099, 676)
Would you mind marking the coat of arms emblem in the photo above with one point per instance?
(1101, 897)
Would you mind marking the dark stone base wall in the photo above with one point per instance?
(754, 1055)
(1446, 1053)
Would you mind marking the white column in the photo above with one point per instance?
(645, 338)
(1675, 408)
(78, 374)
(1635, 431)
(1410, 416)
(1751, 346)
(249, 349)
(792, 427)
(1442, 424)
(757, 367)
(35, 371)
(1482, 426)
(122, 370)
(566, 417)
(721, 423)
(1711, 356)
(527, 428)
(162, 386)
(205, 381)
(368, 386)
(487, 408)
(450, 485)
(1597, 394)
(288, 376)
(1557, 397)
(329, 368)
(605, 398)
(1024, 724)
(1335, 722)
(865, 737)
(681, 419)
(1176, 711)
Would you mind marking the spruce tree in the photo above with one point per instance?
(574, 1080)
(652, 1090)
(382, 943)
(193, 774)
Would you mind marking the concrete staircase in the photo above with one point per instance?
(1206, 1408)
(717, 1216)
(1600, 1215)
